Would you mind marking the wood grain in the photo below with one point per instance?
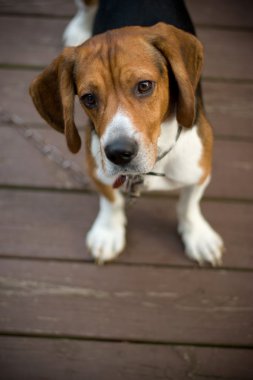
(224, 13)
(223, 59)
(51, 8)
(24, 358)
(229, 107)
(127, 303)
(17, 168)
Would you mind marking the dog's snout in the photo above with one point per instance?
(121, 151)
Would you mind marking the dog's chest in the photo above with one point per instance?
(181, 165)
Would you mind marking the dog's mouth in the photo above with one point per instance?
(133, 184)
(128, 177)
(124, 176)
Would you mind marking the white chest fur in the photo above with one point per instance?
(181, 165)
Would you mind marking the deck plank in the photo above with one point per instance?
(55, 225)
(17, 168)
(25, 358)
(229, 106)
(20, 46)
(232, 164)
(224, 59)
(228, 13)
(127, 303)
(39, 7)
(208, 12)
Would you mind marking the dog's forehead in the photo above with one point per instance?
(117, 51)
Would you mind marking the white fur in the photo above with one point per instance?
(106, 239)
(181, 164)
(119, 125)
(182, 170)
(79, 28)
(201, 242)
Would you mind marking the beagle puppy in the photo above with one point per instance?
(138, 80)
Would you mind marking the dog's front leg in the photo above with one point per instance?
(106, 239)
(201, 242)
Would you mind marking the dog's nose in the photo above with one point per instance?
(121, 151)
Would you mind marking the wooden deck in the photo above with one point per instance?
(152, 314)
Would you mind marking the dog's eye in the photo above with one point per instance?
(89, 100)
(144, 87)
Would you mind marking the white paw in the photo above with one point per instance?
(106, 242)
(202, 243)
(106, 239)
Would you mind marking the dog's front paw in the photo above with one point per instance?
(202, 243)
(106, 238)
(106, 242)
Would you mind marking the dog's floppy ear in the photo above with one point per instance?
(184, 54)
(53, 93)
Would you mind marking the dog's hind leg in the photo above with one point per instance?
(201, 242)
(106, 239)
(80, 27)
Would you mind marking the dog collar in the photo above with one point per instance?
(159, 158)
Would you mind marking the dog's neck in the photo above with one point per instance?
(170, 131)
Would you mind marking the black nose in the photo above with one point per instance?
(121, 151)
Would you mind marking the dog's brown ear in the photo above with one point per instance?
(53, 93)
(184, 53)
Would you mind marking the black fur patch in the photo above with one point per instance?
(113, 14)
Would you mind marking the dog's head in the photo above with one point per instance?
(124, 80)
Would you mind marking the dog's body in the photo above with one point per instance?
(139, 86)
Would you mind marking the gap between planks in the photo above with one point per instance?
(163, 195)
(70, 337)
(91, 262)
(34, 67)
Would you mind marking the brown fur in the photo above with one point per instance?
(53, 95)
(206, 135)
(184, 53)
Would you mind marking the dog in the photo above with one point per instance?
(137, 76)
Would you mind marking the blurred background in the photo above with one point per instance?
(152, 314)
